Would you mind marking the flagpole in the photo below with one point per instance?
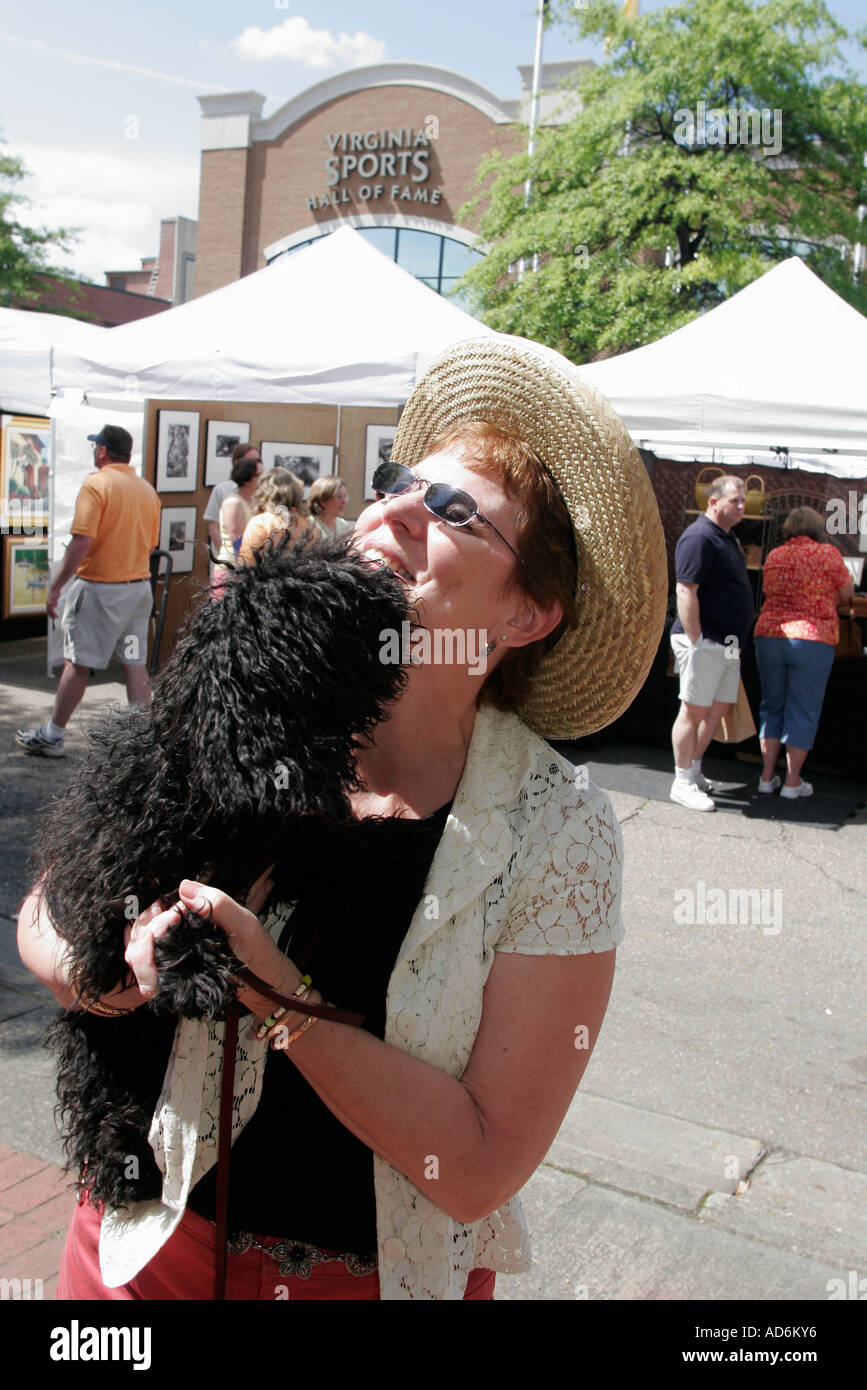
(534, 108)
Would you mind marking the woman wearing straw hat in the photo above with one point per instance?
(521, 519)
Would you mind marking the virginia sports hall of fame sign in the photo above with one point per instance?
(393, 164)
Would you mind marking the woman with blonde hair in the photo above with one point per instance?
(235, 512)
(327, 503)
(796, 633)
(278, 505)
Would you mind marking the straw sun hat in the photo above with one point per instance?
(596, 669)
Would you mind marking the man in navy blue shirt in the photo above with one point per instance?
(714, 617)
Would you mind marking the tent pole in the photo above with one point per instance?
(337, 447)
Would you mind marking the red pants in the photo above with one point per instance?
(184, 1269)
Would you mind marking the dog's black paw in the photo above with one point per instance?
(196, 968)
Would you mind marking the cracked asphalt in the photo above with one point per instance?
(716, 1147)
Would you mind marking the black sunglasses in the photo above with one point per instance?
(447, 503)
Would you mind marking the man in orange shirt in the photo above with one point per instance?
(115, 528)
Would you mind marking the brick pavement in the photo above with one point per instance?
(36, 1204)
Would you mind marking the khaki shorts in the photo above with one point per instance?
(105, 621)
(708, 671)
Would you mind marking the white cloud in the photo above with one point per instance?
(316, 48)
(116, 199)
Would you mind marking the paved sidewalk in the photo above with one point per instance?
(716, 1148)
(36, 1206)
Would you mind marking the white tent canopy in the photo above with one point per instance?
(26, 339)
(336, 323)
(782, 364)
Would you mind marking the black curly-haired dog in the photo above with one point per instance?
(244, 759)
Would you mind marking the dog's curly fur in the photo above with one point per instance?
(244, 758)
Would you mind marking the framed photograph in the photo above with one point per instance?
(25, 577)
(223, 436)
(307, 461)
(178, 537)
(24, 468)
(380, 439)
(177, 451)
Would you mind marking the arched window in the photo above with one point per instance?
(438, 261)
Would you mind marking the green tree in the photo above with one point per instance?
(639, 218)
(23, 250)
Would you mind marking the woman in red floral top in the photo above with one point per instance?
(796, 634)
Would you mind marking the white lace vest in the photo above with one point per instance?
(529, 861)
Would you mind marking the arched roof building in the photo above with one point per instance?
(391, 149)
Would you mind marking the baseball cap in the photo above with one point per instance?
(117, 440)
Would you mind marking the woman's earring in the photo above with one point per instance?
(491, 646)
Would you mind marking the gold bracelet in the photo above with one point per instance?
(278, 1044)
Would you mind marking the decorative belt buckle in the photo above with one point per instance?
(296, 1257)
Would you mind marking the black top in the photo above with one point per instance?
(296, 1171)
(712, 558)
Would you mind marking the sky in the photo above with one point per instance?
(100, 102)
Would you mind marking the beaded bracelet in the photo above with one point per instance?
(272, 1022)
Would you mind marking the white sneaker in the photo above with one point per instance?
(37, 741)
(700, 781)
(803, 789)
(769, 786)
(689, 795)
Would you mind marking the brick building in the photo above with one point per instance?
(169, 275)
(391, 149)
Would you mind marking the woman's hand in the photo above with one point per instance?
(247, 937)
(139, 938)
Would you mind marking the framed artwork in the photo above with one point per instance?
(223, 436)
(380, 439)
(25, 577)
(307, 461)
(24, 468)
(177, 451)
(178, 536)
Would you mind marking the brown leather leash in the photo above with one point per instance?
(227, 1096)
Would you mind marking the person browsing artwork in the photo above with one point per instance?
(327, 503)
(804, 581)
(235, 512)
(108, 604)
(278, 505)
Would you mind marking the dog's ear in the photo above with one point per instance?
(280, 676)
